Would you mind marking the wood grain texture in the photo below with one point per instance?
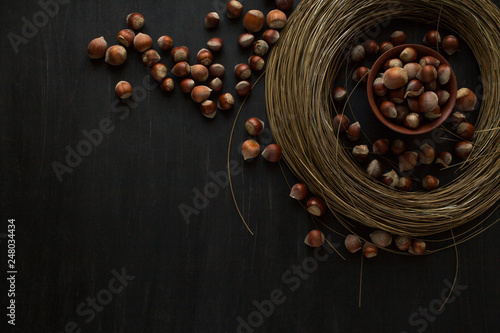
(119, 207)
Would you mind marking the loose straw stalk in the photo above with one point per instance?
(299, 78)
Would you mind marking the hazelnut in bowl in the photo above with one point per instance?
(412, 89)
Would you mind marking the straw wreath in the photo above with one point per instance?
(299, 79)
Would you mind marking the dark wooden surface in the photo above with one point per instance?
(119, 207)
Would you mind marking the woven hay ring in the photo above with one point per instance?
(300, 75)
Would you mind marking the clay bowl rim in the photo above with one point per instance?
(451, 87)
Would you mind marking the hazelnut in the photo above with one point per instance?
(403, 243)
(385, 46)
(284, 4)
(432, 38)
(357, 53)
(407, 161)
(409, 54)
(215, 44)
(413, 104)
(340, 123)
(426, 154)
(276, 19)
(242, 71)
(371, 47)
(234, 9)
(150, 57)
(397, 95)
(135, 21)
(123, 89)
(200, 93)
(398, 38)
(390, 179)
(360, 153)
(217, 70)
(417, 247)
(361, 74)
(427, 74)
(298, 191)
(339, 94)
(443, 74)
(216, 85)
(199, 73)
(378, 87)
(179, 53)
(250, 149)
(142, 42)
(374, 169)
(444, 159)
(254, 126)
(412, 120)
(428, 101)
(243, 88)
(395, 78)
(212, 20)
(404, 184)
(381, 147)
(165, 43)
(463, 149)
(205, 57)
(352, 243)
(443, 96)
(253, 20)
(271, 36)
(381, 238)
(315, 238)
(457, 118)
(450, 44)
(354, 132)
(395, 62)
(434, 114)
(97, 48)
(466, 131)
(159, 72)
(167, 85)
(181, 69)
(208, 108)
(116, 55)
(246, 40)
(415, 88)
(429, 60)
(260, 47)
(187, 85)
(431, 86)
(412, 69)
(126, 37)
(402, 111)
(226, 101)
(466, 100)
(430, 182)
(369, 250)
(272, 153)
(256, 63)
(398, 147)
(316, 207)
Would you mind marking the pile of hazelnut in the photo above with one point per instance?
(204, 78)
(250, 149)
(407, 104)
(379, 239)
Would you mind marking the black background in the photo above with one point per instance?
(119, 208)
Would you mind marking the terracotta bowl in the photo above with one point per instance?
(446, 109)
